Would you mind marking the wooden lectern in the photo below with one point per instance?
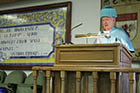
(96, 55)
(113, 55)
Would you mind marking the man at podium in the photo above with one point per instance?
(111, 33)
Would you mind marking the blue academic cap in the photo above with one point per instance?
(108, 11)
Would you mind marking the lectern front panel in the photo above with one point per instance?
(91, 55)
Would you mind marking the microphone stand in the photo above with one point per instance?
(72, 30)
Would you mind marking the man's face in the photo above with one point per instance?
(108, 23)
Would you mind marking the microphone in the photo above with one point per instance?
(76, 26)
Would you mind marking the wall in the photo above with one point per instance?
(83, 11)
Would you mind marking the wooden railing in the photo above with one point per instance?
(69, 79)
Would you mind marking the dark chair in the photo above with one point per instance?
(27, 87)
(12, 80)
(2, 76)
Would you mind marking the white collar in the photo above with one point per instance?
(106, 32)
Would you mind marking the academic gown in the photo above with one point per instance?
(115, 35)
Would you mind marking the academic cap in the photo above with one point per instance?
(108, 11)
